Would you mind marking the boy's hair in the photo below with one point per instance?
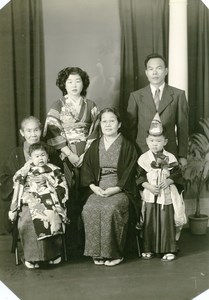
(30, 118)
(37, 146)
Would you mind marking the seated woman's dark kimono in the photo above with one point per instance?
(106, 218)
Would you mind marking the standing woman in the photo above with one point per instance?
(108, 173)
(70, 128)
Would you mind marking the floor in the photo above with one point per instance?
(135, 278)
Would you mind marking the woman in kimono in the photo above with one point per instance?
(40, 193)
(108, 173)
(70, 128)
(31, 133)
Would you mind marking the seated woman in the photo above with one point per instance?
(31, 132)
(108, 171)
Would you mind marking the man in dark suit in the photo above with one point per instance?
(166, 101)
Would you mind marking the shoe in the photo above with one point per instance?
(99, 261)
(55, 261)
(113, 262)
(36, 266)
(168, 257)
(29, 265)
(148, 255)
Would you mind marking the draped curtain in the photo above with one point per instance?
(198, 62)
(22, 84)
(144, 30)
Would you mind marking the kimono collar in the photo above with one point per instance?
(76, 103)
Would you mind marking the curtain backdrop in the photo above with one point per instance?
(198, 62)
(144, 29)
(22, 91)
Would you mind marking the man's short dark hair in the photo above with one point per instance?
(154, 55)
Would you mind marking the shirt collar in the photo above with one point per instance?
(153, 89)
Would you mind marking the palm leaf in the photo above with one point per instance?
(204, 123)
(201, 141)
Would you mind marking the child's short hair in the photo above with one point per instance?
(37, 146)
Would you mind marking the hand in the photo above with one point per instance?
(97, 190)
(111, 191)
(73, 158)
(12, 216)
(183, 163)
(154, 189)
(163, 185)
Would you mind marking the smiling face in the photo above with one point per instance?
(156, 143)
(39, 157)
(156, 71)
(74, 85)
(31, 131)
(109, 124)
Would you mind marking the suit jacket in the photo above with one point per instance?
(173, 111)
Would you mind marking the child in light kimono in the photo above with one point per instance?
(40, 193)
(163, 210)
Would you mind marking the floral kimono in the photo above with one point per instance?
(71, 125)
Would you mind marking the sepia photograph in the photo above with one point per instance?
(104, 156)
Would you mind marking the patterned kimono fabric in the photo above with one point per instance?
(106, 219)
(68, 125)
(41, 240)
(73, 126)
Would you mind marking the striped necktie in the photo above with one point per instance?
(157, 98)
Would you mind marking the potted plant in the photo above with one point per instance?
(197, 175)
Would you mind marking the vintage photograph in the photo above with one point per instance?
(104, 156)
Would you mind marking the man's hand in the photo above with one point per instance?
(183, 163)
(163, 185)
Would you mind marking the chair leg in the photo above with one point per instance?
(138, 246)
(64, 248)
(17, 260)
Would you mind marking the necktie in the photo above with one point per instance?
(157, 98)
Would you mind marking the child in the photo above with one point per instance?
(40, 193)
(163, 211)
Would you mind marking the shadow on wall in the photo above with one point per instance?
(104, 88)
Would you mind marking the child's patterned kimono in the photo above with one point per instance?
(45, 200)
